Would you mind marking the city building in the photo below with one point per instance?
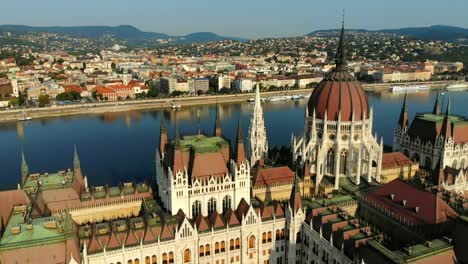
(243, 85)
(186, 183)
(433, 137)
(338, 140)
(199, 85)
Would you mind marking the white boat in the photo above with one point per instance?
(457, 87)
(24, 117)
(297, 97)
(409, 88)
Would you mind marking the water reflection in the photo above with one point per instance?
(120, 146)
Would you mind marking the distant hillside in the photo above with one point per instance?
(438, 32)
(123, 32)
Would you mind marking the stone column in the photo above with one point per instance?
(337, 168)
(358, 171)
(369, 168)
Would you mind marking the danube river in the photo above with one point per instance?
(118, 147)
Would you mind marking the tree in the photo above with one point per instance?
(14, 101)
(43, 100)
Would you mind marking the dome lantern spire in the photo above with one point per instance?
(340, 59)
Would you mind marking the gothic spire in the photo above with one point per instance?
(177, 135)
(257, 132)
(436, 110)
(446, 126)
(295, 200)
(76, 159)
(217, 130)
(162, 136)
(340, 59)
(403, 121)
(240, 152)
(24, 168)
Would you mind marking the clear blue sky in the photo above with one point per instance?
(243, 18)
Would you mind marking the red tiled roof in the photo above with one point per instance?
(103, 90)
(273, 176)
(242, 208)
(231, 218)
(216, 220)
(73, 87)
(217, 165)
(167, 232)
(394, 160)
(431, 209)
(339, 92)
(202, 223)
(9, 200)
(113, 242)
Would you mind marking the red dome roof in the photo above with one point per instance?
(339, 92)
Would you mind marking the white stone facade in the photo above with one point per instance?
(339, 149)
(203, 196)
(429, 153)
(251, 248)
(257, 132)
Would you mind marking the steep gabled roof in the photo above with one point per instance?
(217, 220)
(231, 218)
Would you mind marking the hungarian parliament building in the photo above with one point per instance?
(341, 198)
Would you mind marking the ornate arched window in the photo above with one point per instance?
(251, 242)
(330, 161)
(211, 206)
(187, 256)
(428, 163)
(343, 161)
(147, 260)
(171, 257)
(216, 247)
(154, 259)
(226, 203)
(201, 251)
(231, 244)
(196, 208)
(164, 258)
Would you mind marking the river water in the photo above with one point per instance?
(118, 147)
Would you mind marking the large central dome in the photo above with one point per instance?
(339, 92)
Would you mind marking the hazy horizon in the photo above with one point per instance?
(241, 18)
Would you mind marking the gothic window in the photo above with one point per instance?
(343, 161)
(211, 206)
(251, 242)
(207, 250)
(330, 161)
(237, 243)
(171, 257)
(196, 208)
(216, 247)
(201, 251)
(428, 163)
(455, 164)
(223, 246)
(164, 258)
(231, 244)
(226, 203)
(147, 260)
(187, 256)
(154, 259)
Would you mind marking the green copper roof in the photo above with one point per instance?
(49, 181)
(440, 118)
(22, 232)
(202, 143)
(418, 251)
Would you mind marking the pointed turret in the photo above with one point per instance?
(446, 125)
(217, 129)
(77, 166)
(295, 201)
(436, 110)
(24, 169)
(340, 60)
(177, 135)
(240, 152)
(438, 173)
(257, 133)
(403, 121)
(162, 136)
